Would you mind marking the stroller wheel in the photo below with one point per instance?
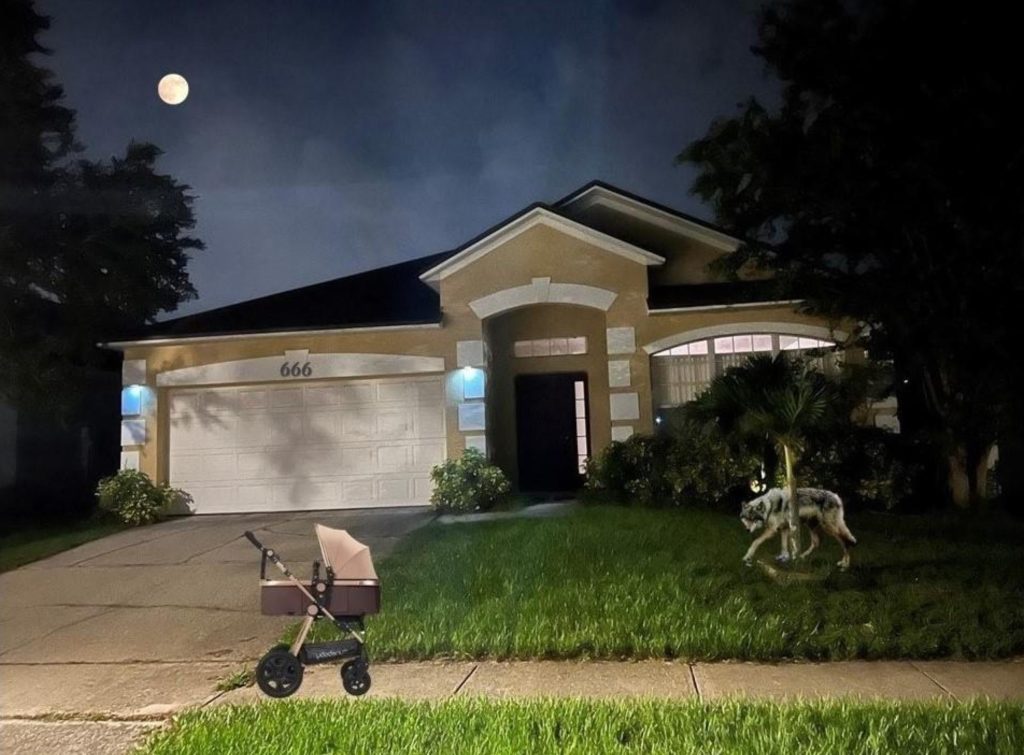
(355, 678)
(279, 673)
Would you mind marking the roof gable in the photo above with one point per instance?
(598, 193)
(531, 217)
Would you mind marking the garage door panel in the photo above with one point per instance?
(422, 488)
(286, 397)
(397, 391)
(252, 399)
(395, 423)
(285, 429)
(395, 489)
(307, 445)
(394, 458)
(321, 427)
(357, 393)
(427, 455)
(353, 491)
(252, 430)
(430, 422)
(322, 396)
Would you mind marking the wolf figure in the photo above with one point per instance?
(820, 510)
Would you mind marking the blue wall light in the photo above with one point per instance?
(473, 383)
(131, 400)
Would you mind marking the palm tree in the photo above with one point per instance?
(778, 400)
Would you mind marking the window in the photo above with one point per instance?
(550, 347)
(681, 373)
(582, 450)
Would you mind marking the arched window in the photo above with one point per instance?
(680, 373)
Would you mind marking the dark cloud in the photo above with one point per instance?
(328, 136)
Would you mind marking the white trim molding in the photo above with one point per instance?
(740, 328)
(621, 340)
(299, 365)
(133, 432)
(130, 460)
(469, 354)
(542, 291)
(622, 433)
(624, 406)
(536, 217)
(738, 305)
(619, 373)
(605, 197)
(122, 345)
(133, 372)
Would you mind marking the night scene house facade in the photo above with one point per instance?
(563, 328)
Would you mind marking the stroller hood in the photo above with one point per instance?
(348, 557)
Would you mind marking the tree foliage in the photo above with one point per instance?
(771, 398)
(88, 249)
(884, 187)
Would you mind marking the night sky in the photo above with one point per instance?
(324, 137)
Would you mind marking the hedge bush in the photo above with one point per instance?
(686, 464)
(133, 498)
(467, 483)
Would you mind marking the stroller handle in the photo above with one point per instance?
(252, 539)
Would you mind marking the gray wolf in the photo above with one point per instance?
(820, 510)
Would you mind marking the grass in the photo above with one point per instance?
(612, 582)
(32, 543)
(235, 680)
(580, 726)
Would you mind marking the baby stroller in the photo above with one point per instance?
(348, 591)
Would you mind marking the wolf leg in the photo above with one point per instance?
(815, 541)
(767, 534)
(784, 554)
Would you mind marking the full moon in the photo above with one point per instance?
(173, 89)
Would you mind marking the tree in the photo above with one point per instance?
(885, 188)
(88, 249)
(777, 399)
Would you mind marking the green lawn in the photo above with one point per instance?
(33, 543)
(580, 726)
(612, 582)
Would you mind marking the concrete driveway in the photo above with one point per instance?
(182, 590)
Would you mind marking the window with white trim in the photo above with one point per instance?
(582, 448)
(681, 373)
(550, 347)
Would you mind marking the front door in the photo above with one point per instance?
(551, 430)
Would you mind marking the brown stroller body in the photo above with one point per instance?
(345, 593)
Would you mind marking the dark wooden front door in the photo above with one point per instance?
(546, 432)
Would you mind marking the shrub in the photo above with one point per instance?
(133, 498)
(467, 483)
(687, 464)
(868, 465)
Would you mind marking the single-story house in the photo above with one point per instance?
(561, 329)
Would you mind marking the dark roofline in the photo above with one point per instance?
(650, 203)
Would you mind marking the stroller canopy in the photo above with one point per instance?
(348, 557)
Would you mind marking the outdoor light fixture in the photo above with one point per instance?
(131, 400)
(472, 382)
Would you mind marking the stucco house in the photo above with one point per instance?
(540, 341)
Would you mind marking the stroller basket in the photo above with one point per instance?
(352, 588)
(280, 597)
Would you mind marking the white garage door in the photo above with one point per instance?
(317, 445)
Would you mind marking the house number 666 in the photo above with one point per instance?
(296, 369)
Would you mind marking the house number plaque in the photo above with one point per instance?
(296, 369)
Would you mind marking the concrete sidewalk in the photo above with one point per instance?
(117, 704)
